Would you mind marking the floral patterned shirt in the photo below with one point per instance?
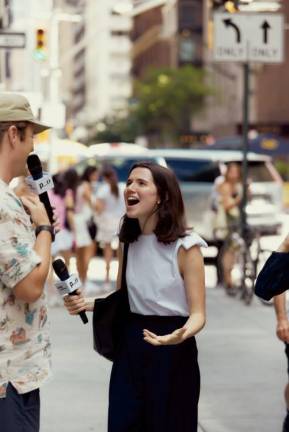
(24, 329)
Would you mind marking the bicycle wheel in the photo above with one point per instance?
(249, 275)
(230, 261)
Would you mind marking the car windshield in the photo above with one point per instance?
(205, 171)
(194, 170)
(259, 172)
(121, 164)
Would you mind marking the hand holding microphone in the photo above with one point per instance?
(69, 284)
(41, 183)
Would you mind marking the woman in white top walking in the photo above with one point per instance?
(110, 207)
(155, 379)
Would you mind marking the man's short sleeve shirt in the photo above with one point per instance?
(24, 329)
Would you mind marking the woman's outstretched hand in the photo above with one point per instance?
(75, 303)
(174, 338)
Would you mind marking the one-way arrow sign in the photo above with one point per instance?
(265, 26)
(249, 37)
(228, 22)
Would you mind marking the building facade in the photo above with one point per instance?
(99, 82)
(272, 91)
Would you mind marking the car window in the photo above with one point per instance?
(259, 172)
(121, 165)
(194, 170)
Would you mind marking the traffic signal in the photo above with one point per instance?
(227, 5)
(40, 45)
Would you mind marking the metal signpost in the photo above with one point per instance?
(248, 38)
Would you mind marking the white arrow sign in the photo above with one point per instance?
(249, 37)
(12, 39)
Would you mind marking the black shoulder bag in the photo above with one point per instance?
(109, 315)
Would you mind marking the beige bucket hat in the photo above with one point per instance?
(15, 107)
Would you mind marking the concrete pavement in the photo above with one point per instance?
(242, 365)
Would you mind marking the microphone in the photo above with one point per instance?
(35, 168)
(69, 284)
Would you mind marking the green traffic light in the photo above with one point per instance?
(39, 55)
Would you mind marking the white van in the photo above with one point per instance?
(197, 170)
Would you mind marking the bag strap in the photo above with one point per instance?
(123, 270)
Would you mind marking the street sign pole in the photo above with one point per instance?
(246, 116)
(248, 38)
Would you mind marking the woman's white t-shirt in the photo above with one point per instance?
(155, 286)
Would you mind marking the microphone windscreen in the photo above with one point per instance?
(60, 269)
(34, 166)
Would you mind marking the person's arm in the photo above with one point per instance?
(99, 205)
(284, 246)
(282, 329)
(30, 288)
(77, 303)
(227, 200)
(86, 193)
(191, 265)
(193, 272)
(69, 208)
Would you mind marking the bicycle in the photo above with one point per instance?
(247, 256)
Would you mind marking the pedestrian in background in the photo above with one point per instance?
(228, 196)
(80, 210)
(110, 207)
(24, 265)
(63, 242)
(155, 381)
(90, 178)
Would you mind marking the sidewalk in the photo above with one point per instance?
(242, 364)
(243, 368)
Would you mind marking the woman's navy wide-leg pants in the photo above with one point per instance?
(154, 389)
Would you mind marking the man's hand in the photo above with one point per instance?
(282, 330)
(36, 209)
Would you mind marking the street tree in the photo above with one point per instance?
(163, 105)
(168, 99)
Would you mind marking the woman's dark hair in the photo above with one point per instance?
(171, 223)
(70, 180)
(109, 174)
(58, 185)
(89, 170)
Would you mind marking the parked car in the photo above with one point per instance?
(121, 156)
(197, 171)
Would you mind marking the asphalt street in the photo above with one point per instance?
(242, 363)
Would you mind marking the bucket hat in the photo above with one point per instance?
(15, 107)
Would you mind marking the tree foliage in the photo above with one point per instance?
(169, 98)
(165, 101)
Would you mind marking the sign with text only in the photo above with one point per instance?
(249, 37)
(12, 40)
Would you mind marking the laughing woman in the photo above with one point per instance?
(155, 380)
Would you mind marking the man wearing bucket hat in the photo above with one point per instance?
(24, 265)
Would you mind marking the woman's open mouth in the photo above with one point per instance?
(131, 201)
